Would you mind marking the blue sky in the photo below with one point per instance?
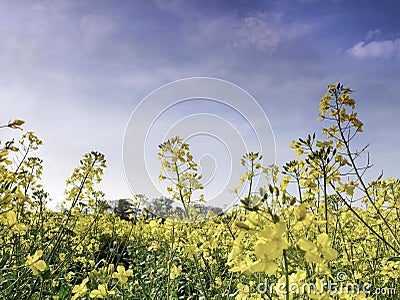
(75, 70)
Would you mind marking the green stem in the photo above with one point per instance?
(326, 201)
(286, 274)
(363, 221)
(180, 192)
(201, 281)
(365, 189)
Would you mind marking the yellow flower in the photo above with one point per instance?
(61, 256)
(80, 289)
(311, 249)
(268, 267)
(34, 263)
(122, 275)
(218, 281)
(269, 247)
(320, 251)
(299, 151)
(154, 246)
(175, 272)
(101, 292)
(10, 220)
(69, 276)
(272, 243)
(243, 293)
(323, 242)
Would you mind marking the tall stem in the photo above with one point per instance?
(359, 177)
(286, 274)
(326, 201)
(180, 192)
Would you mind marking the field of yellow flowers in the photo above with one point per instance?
(335, 237)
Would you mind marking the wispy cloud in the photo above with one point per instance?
(377, 49)
(370, 34)
(263, 30)
(267, 30)
(259, 30)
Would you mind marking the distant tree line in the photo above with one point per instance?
(164, 207)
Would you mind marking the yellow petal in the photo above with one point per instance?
(330, 253)
(270, 268)
(323, 239)
(102, 289)
(120, 269)
(306, 245)
(257, 266)
(128, 273)
(95, 294)
(280, 228)
(40, 265)
(38, 254)
(312, 257)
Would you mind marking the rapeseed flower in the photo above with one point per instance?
(320, 252)
(10, 219)
(175, 272)
(80, 289)
(101, 292)
(122, 275)
(269, 247)
(35, 263)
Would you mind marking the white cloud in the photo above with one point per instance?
(259, 32)
(378, 49)
(263, 30)
(267, 30)
(373, 33)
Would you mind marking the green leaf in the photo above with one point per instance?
(393, 259)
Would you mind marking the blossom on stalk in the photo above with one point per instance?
(269, 246)
(101, 292)
(35, 263)
(321, 252)
(80, 289)
(122, 274)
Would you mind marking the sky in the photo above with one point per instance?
(76, 70)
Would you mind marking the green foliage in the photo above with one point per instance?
(126, 209)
